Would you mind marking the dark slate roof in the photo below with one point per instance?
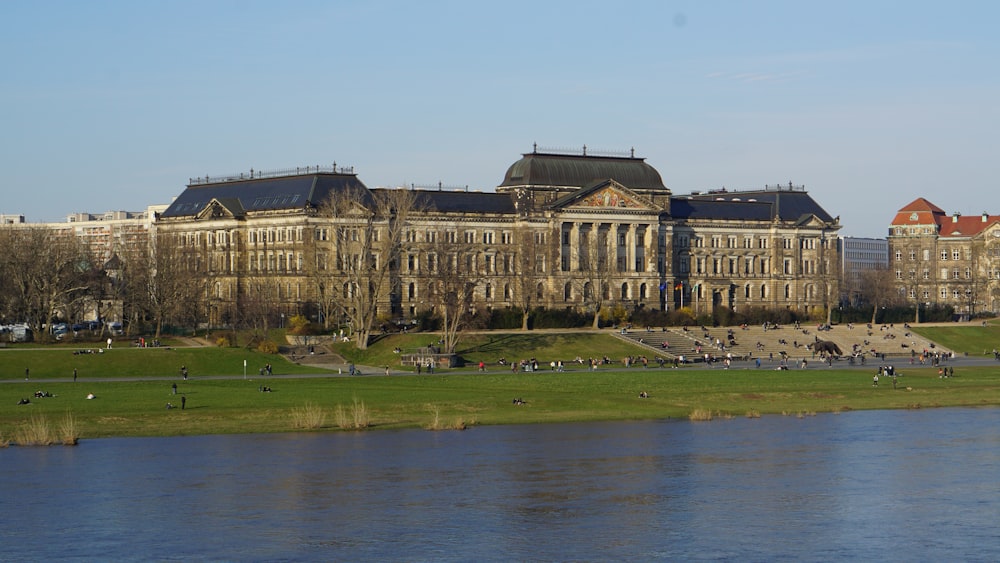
(263, 194)
(465, 202)
(696, 208)
(540, 169)
(786, 205)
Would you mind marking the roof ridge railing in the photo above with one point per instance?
(439, 187)
(789, 187)
(584, 152)
(278, 173)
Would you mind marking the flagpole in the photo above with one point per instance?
(682, 295)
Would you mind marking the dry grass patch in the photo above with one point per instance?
(354, 417)
(309, 417)
(36, 431)
(753, 413)
(69, 434)
(700, 415)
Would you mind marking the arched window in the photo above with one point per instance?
(788, 291)
(411, 291)
(747, 292)
(624, 291)
(568, 292)
(642, 292)
(489, 291)
(506, 292)
(763, 291)
(588, 291)
(540, 292)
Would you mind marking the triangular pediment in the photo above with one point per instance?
(809, 220)
(606, 195)
(227, 208)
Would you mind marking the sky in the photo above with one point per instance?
(116, 105)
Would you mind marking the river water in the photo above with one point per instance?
(920, 485)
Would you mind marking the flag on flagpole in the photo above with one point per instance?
(679, 286)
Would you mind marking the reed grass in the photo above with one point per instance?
(69, 434)
(309, 417)
(34, 432)
(700, 415)
(354, 417)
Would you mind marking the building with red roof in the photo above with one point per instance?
(946, 259)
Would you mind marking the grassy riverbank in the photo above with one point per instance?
(137, 408)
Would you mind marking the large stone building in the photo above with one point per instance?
(941, 259)
(577, 231)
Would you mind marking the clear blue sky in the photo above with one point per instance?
(116, 104)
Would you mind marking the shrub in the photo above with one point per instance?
(267, 347)
(222, 342)
(506, 319)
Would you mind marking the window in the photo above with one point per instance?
(451, 236)
(505, 237)
(431, 236)
(470, 237)
(944, 254)
(956, 254)
(913, 255)
(488, 237)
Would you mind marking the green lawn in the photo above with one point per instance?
(131, 408)
(125, 406)
(964, 338)
(59, 362)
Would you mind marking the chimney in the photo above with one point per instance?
(986, 217)
(954, 218)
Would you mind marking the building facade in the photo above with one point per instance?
(944, 259)
(565, 231)
(857, 256)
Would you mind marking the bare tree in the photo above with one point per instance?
(596, 271)
(256, 300)
(175, 284)
(878, 289)
(368, 229)
(520, 270)
(45, 272)
(452, 292)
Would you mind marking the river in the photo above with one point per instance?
(918, 485)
